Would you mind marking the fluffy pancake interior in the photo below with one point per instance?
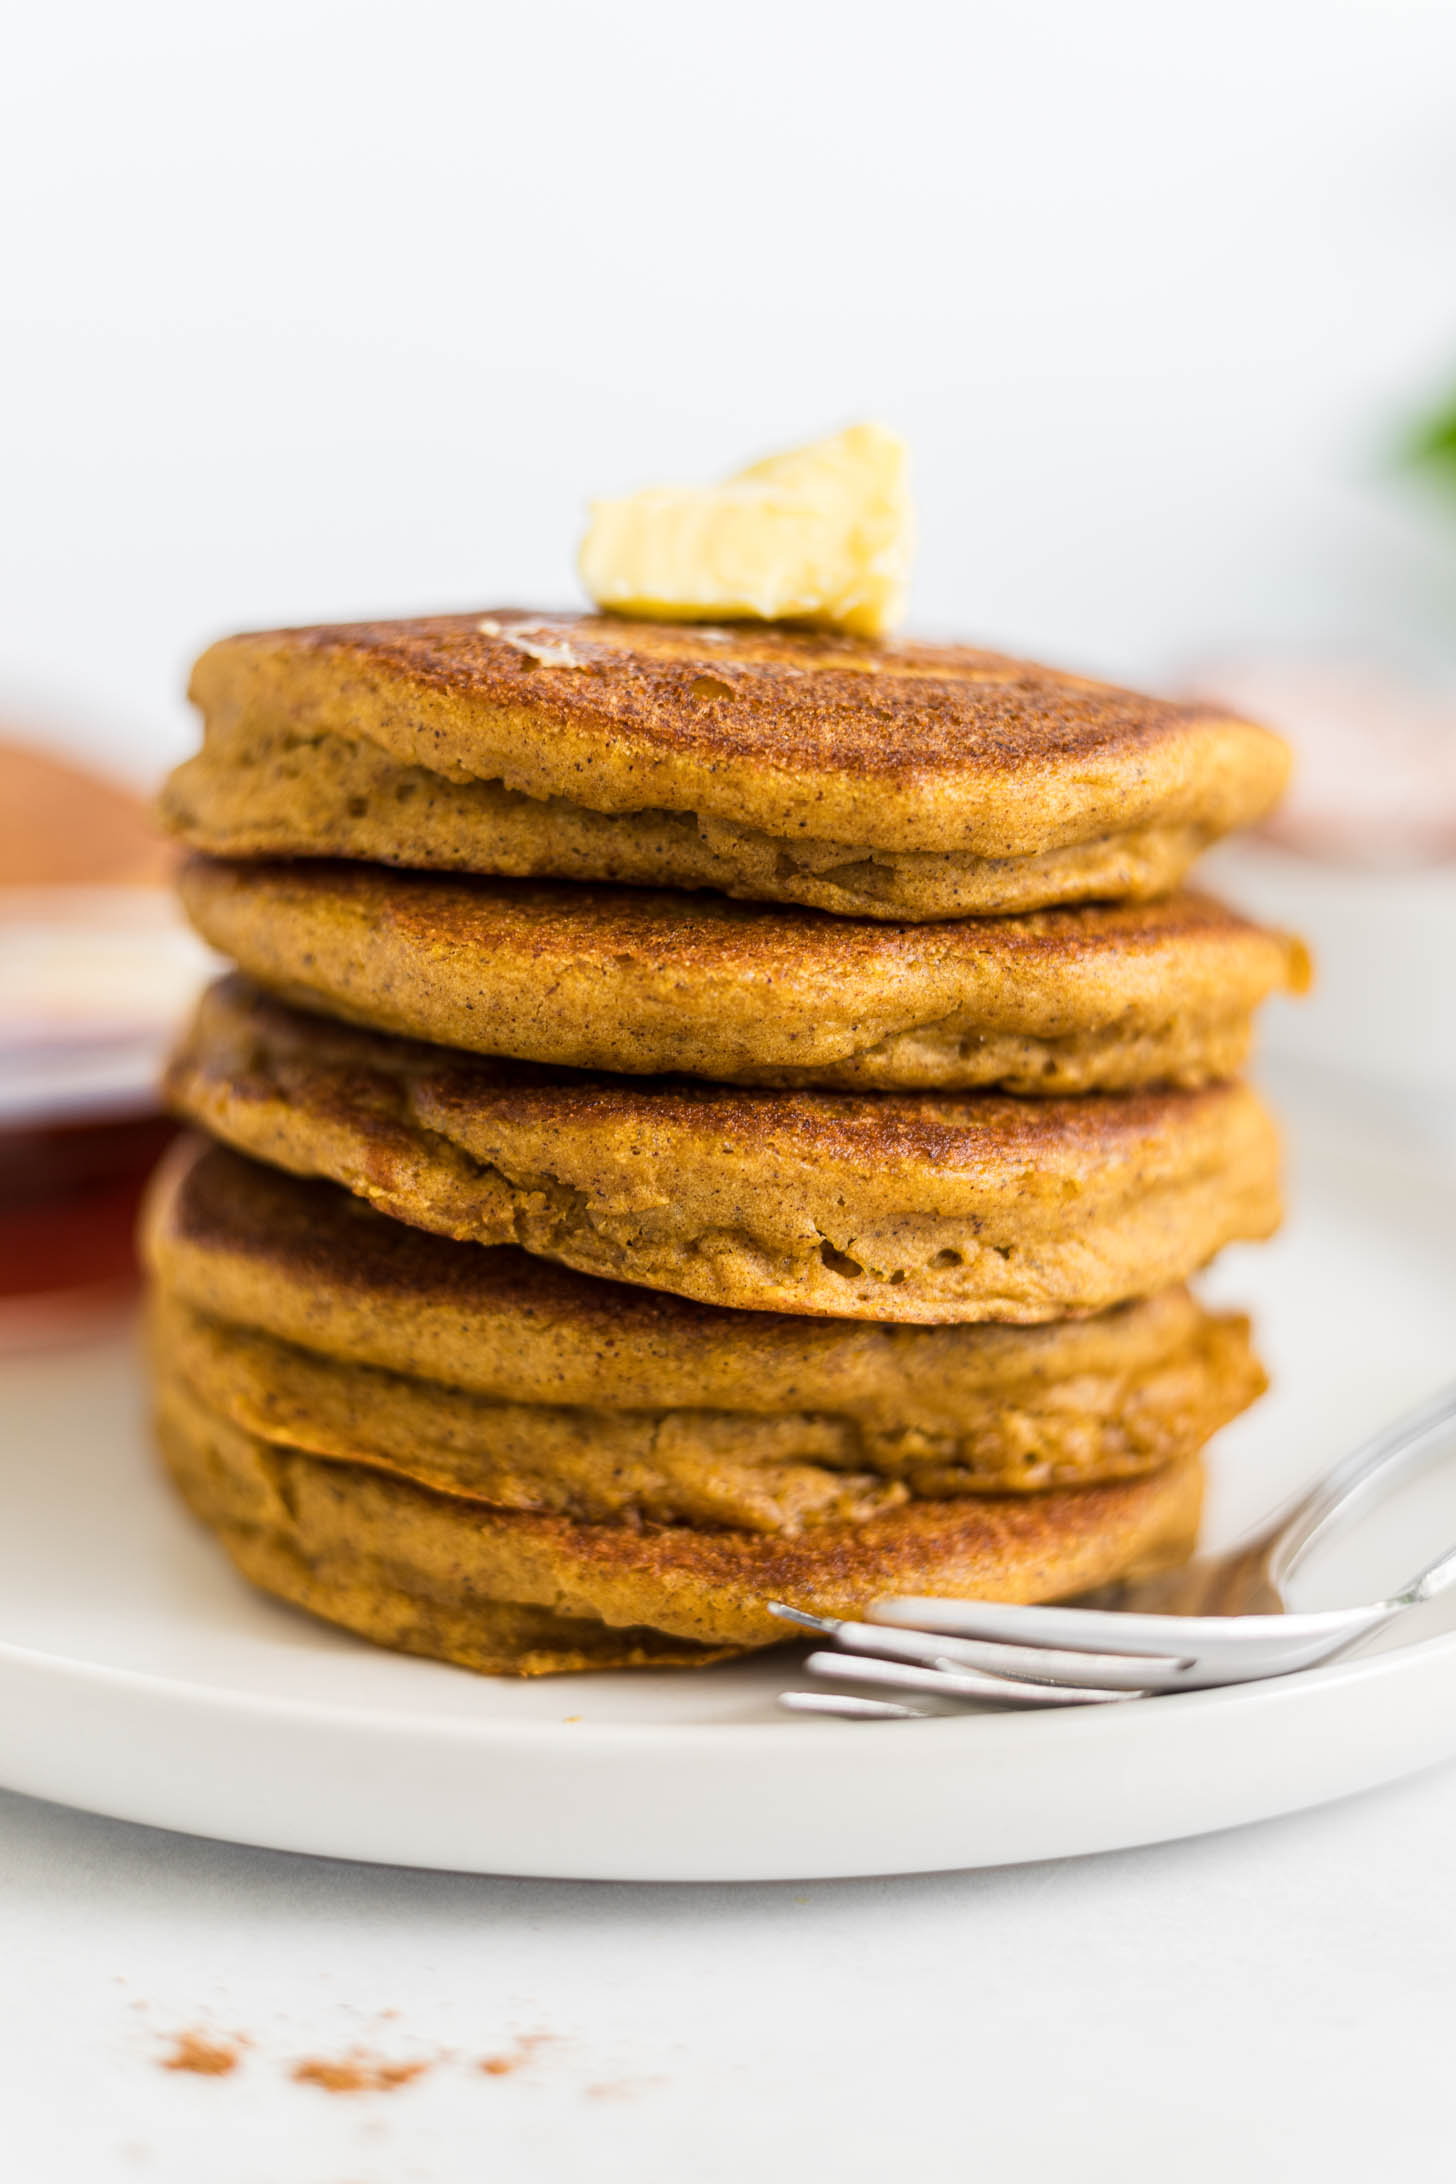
(261, 792)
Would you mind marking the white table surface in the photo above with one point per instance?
(1274, 2003)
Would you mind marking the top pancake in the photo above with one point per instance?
(799, 756)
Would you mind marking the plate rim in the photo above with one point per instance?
(1044, 1724)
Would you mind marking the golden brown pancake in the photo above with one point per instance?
(1093, 999)
(897, 780)
(305, 1318)
(510, 1592)
(890, 1206)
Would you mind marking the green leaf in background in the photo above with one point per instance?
(1433, 446)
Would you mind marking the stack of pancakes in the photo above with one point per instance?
(704, 1116)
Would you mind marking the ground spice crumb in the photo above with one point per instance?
(200, 2053)
(356, 2074)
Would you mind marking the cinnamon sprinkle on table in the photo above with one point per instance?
(501, 2066)
(356, 2073)
(203, 2054)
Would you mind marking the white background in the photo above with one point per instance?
(313, 310)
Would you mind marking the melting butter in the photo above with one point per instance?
(822, 534)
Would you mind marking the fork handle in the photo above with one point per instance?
(1373, 1467)
(1432, 1582)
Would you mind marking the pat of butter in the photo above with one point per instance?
(821, 535)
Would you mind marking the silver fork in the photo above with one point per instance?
(1220, 1620)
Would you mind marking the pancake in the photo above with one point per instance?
(891, 1206)
(509, 1592)
(1093, 999)
(896, 780)
(304, 1317)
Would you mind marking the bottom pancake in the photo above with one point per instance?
(508, 1592)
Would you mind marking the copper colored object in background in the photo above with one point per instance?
(61, 826)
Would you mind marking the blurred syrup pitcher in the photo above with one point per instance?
(94, 972)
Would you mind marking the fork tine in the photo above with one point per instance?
(1171, 1637)
(849, 1708)
(958, 1684)
(1042, 1664)
(825, 1625)
(1031, 1664)
(1123, 1672)
(937, 1652)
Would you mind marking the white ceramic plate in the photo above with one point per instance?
(139, 1678)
